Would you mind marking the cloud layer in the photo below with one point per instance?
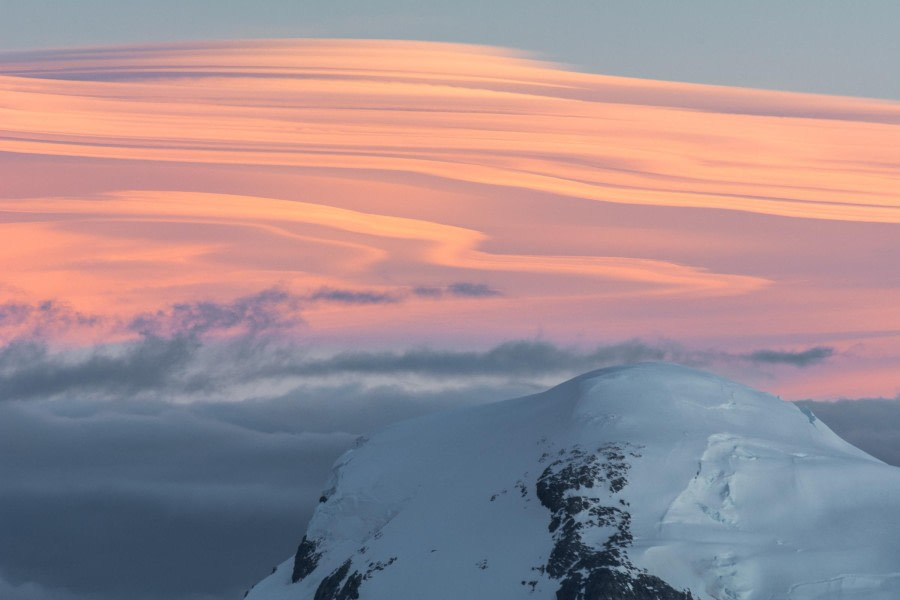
(420, 193)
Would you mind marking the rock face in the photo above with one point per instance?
(651, 482)
(572, 489)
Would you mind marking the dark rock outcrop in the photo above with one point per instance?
(306, 560)
(586, 572)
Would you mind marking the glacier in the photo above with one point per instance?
(644, 482)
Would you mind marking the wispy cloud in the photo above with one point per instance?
(354, 296)
(530, 106)
(510, 359)
(578, 146)
(44, 318)
(459, 289)
(186, 363)
(29, 370)
(472, 290)
(270, 311)
(266, 311)
(802, 358)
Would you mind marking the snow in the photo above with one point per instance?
(728, 492)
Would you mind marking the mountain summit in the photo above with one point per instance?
(647, 482)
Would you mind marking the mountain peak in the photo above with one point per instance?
(659, 382)
(646, 481)
(667, 402)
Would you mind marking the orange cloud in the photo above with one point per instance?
(132, 238)
(465, 113)
(133, 178)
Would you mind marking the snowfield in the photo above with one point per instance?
(646, 482)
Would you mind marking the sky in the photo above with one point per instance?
(235, 238)
(825, 46)
(389, 194)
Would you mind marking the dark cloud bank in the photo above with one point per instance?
(185, 465)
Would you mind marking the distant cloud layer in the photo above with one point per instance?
(99, 501)
(176, 359)
(203, 457)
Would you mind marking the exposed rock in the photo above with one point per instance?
(306, 560)
(569, 487)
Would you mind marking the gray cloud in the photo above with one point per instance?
(190, 367)
(28, 590)
(13, 313)
(37, 320)
(460, 289)
(428, 292)
(518, 358)
(803, 358)
(353, 296)
(151, 502)
(29, 370)
(269, 310)
(472, 290)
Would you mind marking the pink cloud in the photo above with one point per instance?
(140, 177)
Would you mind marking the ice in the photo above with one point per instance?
(654, 476)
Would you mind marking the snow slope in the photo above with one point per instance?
(647, 482)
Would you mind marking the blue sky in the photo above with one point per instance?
(826, 46)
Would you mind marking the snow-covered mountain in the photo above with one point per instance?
(645, 482)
